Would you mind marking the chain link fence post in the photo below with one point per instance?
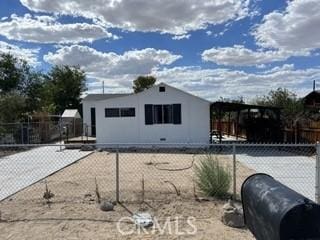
(317, 185)
(21, 133)
(234, 171)
(117, 176)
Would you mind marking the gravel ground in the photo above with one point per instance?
(74, 214)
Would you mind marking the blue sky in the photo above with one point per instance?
(215, 48)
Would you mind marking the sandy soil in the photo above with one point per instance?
(74, 213)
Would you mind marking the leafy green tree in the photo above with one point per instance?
(143, 82)
(64, 87)
(21, 84)
(30, 91)
(31, 87)
(12, 107)
(10, 73)
(46, 96)
(291, 105)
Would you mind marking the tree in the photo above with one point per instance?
(10, 73)
(31, 87)
(20, 84)
(143, 82)
(31, 91)
(291, 106)
(12, 106)
(64, 87)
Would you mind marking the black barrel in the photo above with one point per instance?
(273, 211)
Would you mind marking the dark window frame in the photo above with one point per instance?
(120, 113)
(162, 89)
(167, 112)
(163, 114)
(131, 112)
(108, 112)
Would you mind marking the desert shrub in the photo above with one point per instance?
(212, 179)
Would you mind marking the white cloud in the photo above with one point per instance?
(28, 54)
(221, 33)
(180, 37)
(119, 70)
(238, 55)
(177, 17)
(109, 65)
(45, 29)
(295, 29)
(215, 83)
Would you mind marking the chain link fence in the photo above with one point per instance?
(77, 175)
(30, 132)
(44, 132)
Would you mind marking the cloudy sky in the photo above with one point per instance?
(212, 48)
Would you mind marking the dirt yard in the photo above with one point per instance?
(74, 213)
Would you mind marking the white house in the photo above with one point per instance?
(160, 114)
(89, 105)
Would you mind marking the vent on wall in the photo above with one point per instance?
(163, 139)
(162, 89)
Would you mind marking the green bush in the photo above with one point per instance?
(212, 179)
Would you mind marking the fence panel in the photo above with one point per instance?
(30, 132)
(163, 173)
(146, 173)
(293, 165)
(30, 173)
(44, 132)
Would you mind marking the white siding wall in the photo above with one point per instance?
(194, 114)
(118, 130)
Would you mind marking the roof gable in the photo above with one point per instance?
(176, 89)
(99, 97)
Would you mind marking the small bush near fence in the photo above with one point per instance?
(213, 179)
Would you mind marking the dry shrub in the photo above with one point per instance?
(213, 179)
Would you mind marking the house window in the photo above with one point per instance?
(157, 114)
(120, 112)
(112, 112)
(162, 89)
(167, 114)
(127, 112)
(163, 114)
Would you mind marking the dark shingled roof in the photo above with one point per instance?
(98, 97)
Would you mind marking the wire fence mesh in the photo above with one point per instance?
(45, 132)
(77, 175)
(30, 132)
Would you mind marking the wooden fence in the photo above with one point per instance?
(310, 134)
(301, 135)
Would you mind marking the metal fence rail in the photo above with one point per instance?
(144, 172)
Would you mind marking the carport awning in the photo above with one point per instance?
(234, 107)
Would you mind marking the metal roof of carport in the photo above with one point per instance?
(233, 107)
